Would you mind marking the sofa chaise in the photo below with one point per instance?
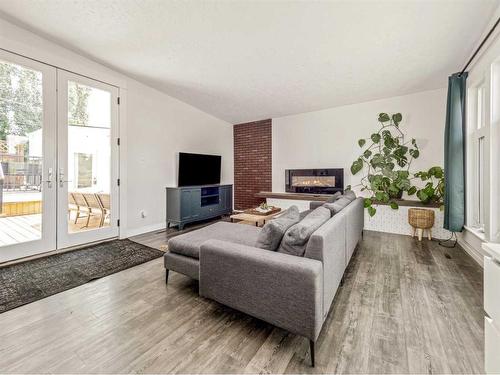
(291, 292)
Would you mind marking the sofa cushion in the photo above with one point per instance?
(295, 239)
(188, 244)
(338, 205)
(273, 231)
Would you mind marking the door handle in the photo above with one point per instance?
(49, 178)
(61, 178)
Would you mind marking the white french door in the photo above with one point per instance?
(58, 159)
(87, 160)
(27, 157)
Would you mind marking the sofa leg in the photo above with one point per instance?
(166, 276)
(311, 349)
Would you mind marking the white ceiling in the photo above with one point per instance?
(250, 60)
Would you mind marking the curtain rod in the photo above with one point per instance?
(480, 46)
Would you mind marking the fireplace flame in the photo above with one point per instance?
(313, 181)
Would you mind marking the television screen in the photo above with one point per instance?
(198, 169)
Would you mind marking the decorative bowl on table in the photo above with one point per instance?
(264, 209)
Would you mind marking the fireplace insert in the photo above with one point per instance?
(314, 181)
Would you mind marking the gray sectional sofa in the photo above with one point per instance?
(291, 292)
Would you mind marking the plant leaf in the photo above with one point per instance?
(436, 172)
(389, 142)
(372, 211)
(367, 203)
(394, 205)
(375, 137)
(361, 142)
(422, 196)
(412, 190)
(356, 166)
(402, 162)
(397, 118)
(403, 174)
(367, 154)
(404, 184)
(383, 117)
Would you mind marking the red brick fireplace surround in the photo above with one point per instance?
(252, 162)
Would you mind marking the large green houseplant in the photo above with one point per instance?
(385, 160)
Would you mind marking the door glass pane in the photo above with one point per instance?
(89, 157)
(21, 157)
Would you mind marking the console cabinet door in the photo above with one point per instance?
(228, 202)
(195, 203)
(186, 211)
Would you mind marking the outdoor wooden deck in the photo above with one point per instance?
(16, 229)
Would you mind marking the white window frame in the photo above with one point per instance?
(478, 179)
(494, 161)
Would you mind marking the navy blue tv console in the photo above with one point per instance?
(194, 203)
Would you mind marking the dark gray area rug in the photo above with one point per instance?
(30, 281)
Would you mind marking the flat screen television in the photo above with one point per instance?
(198, 169)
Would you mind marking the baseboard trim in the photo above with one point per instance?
(475, 254)
(145, 229)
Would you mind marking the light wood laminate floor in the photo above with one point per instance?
(405, 307)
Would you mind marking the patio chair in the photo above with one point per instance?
(105, 201)
(72, 205)
(93, 205)
(81, 203)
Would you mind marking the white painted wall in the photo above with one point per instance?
(329, 138)
(153, 128)
(158, 128)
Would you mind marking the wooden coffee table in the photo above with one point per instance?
(246, 218)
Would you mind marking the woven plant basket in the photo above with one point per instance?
(421, 218)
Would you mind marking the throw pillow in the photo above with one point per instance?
(315, 204)
(349, 194)
(296, 237)
(338, 205)
(273, 231)
(303, 214)
(334, 197)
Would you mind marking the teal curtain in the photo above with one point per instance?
(454, 154)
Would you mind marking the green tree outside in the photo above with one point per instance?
(21, 105)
